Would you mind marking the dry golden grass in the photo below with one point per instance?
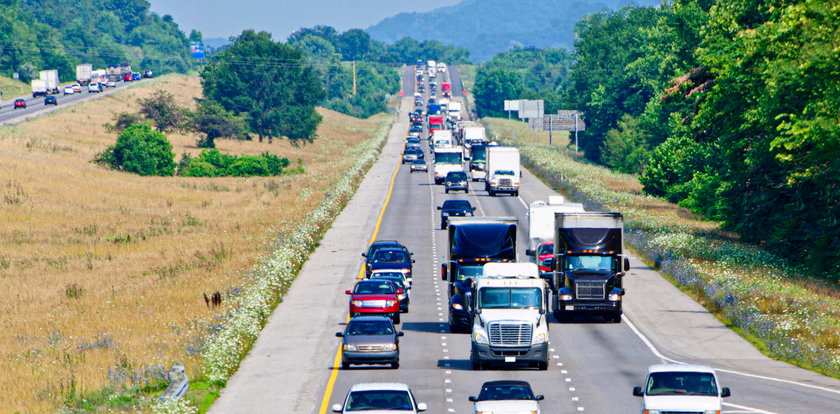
(100, 268)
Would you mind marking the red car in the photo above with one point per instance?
(375, 297)
(544, 254)
(20, 103)
(127, 78)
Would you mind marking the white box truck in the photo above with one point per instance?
(503, 171)
(83, 73)
(447, 159)
(455, 111)
(39, 87)
(541, 218)
(442, 138)
(509, 323)
(50, 77)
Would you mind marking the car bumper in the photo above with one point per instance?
(362, 357)
(487, 353)
(592, 307)
(374, 312)
(457, 187)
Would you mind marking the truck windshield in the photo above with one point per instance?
(474, 272)
(599, 264)
(681, 383)
(510, 298)
(447, 158)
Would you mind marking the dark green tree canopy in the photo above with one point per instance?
(268, 82)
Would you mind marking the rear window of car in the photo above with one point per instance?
(383, 327)
(456, 204)
(456, 176)
(390, 256)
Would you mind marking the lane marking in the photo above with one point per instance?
(325, 401)
(747, 409)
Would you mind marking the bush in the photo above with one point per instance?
(212, 163)
(140, 150)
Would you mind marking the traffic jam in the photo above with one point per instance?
(574, 268)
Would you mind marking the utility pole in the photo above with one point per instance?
(354, 78)
(576, 132)
(550, 130)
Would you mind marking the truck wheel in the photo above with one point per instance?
(467, 191)
(447, 191)
(542, 365)
(562, 317)
(345, 365)
(477, 365)
(516, 193)
(615, 317)
(492, 193)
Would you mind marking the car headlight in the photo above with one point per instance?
(389, 347)
(480, 338)
(615, 297)
(565, 296)
(350, 348)
(457, 306)
(358, 302)
(541, 338)
(390, 302)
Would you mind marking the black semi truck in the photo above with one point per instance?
(473, 242)
(589, 265)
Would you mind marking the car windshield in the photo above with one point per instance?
(506, 392)
(681, 383)
(448, 158)
(383, 327)
(459, 176)
(379, 400)
(597, 264)
(390, 256)
(510, 298)
(504, 172)
(546, 249)
(381, 245)
(465, 272)
(383, 287)
(456, 205)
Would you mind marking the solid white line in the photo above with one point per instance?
(666, 359)
(521, 200)
(749, 409)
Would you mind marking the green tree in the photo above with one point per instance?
(140, 150)
(492, 88)
(214, 121)
(162, 111)
(269, 83)
(354, 44)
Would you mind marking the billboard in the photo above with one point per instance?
(197, 50)
(530, 109)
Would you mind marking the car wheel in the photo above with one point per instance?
(397, 319)
(395, 365)
(467, 191)
(447, 191)
(345, 365)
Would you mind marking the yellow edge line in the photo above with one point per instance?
(325, 402)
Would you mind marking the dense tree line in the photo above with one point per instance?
(728, 107)
(58, 34)
(519, 73)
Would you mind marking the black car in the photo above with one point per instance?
(370, 340)
(454, 208)
(50, 100)
(456, 181)
(377, 245)
(412, 153)
(391, 258)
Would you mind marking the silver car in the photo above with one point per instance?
(379, 397)
(370, 340)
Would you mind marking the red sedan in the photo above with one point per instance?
(20, 103)
(375, 297)
(127, 78)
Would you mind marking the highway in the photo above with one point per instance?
(594, 365)
(36, 107)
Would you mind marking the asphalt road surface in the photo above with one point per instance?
(594, 365)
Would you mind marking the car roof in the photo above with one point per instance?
(680, 368)
(505, 383)
(377, 280)
(377, 386)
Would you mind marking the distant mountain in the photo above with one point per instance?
(487, 27)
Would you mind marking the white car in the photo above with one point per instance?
(506, 397)
(677, 388)
(94, 87)
(375, 398)
(68, 90)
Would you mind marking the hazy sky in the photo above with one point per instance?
(223, 18)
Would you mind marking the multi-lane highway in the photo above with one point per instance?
(594, 365)
(34, 106)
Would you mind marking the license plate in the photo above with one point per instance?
(570, 307)
(510, 359)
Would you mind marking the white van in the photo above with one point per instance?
(681, 388)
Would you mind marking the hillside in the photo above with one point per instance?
(58, 34)
(12, 88)
(487, 27)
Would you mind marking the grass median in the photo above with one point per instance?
(105, 273)
(783, 310)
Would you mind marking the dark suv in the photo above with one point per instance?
(456, 180)
(377, 245)
(454, 208)
(390, 258)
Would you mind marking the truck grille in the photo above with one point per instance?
(590, 290)
(505, 182)
(369, 348)
(504, 333)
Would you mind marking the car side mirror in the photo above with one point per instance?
(724, 392)
(529, 252)
(364, 254)
(626, 264)
(347, 292)
(473, 398)
(422, 407)
(540, 397)
(473, 208)
(542, 311)
(637, 391)
(412, 260)
(339, 334)
(439, 208)
(336, 408)
(478, 311)
(400, 333)
(443, 271)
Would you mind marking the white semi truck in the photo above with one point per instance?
(509, 323)
(503, 171)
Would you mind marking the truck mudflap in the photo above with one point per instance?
(482, 354)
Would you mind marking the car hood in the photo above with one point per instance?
(681, 402)
(369, 339)
(454, 211)
(507, 406)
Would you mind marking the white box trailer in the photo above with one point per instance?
(503, 171)
(50, 77)
(541, 218)
(83, 73)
